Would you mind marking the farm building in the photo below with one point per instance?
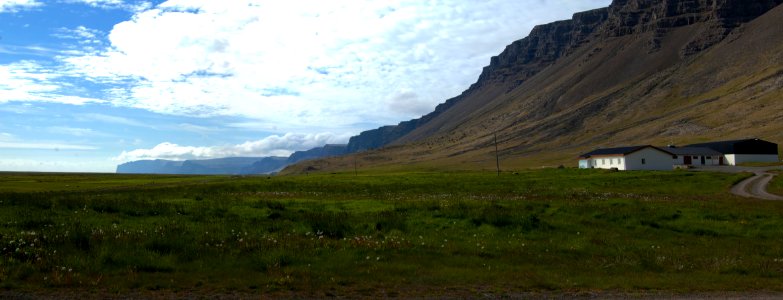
(628, 158)
(742, 151)
(695, 156)
(706, 154)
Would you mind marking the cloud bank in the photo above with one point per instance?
(16, 5)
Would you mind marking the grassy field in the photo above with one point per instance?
(402, 234)
(776, 185)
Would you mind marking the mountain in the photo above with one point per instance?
(158, 166)
(266, 165)
(229, 165)
(636, 72)
(224, 166)
(318, 152)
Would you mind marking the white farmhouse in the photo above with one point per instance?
(628, 158)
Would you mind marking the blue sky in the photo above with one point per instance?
(88, 84)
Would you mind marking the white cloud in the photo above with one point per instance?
(408, 102)
(11, 141)
(134, 6)
(85, 36)
(76, 131)
(307, 63)
(43, 146)
(111, 120)
(60, 165)
(16, 5)
(270, 146)
(29, 81)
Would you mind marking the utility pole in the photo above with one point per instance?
(497, 158)
(355, 169)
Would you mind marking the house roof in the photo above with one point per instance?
(701, 151)
(620, 151)
(747, 146)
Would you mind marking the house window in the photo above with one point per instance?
(617, 161)
(644, 161)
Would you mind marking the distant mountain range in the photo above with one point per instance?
(229, 165)
(636, 72)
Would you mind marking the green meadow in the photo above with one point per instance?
(403, 234)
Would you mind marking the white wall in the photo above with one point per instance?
(714, 161)
(584, 163)
(654, 160)
(734, 159)
(608, 162)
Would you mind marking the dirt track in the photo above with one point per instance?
(755, 187)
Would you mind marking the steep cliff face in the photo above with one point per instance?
(639, 71)
(634, 17)
(639, 16)
(545, 44)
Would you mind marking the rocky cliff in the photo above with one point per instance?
(629, 17)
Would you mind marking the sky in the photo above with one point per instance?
(86, 85)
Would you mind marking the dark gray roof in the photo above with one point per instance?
(701, 151)
(620, 151)
(747, 146)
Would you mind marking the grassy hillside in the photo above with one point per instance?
(403, 234)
